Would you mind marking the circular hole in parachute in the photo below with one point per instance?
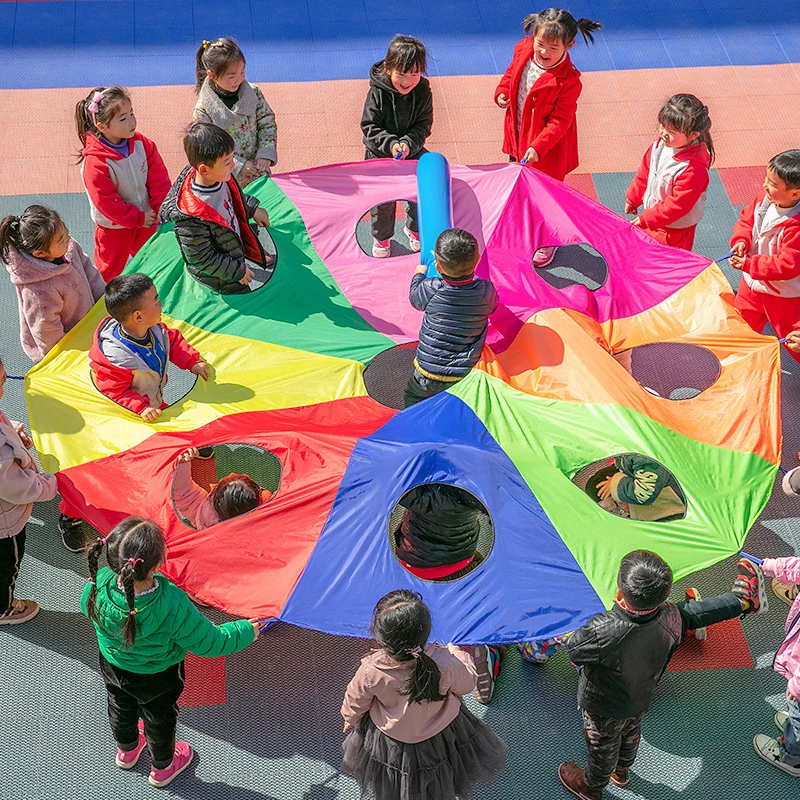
(568, 265)
(386, 376)
(179, 383)
(395, 215)
(440, 532)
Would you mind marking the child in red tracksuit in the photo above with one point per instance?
(132, 347)
(673, 177)
(123, 174)
(766, 248)
(540, 91)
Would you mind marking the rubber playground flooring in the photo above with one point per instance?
(265, 722)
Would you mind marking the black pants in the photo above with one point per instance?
(152, 697)
(421, 388)
(383, 218)
(708, 611)
(11, 551)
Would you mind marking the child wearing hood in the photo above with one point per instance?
(397, 119)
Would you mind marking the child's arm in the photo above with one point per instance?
(196, 634)
(786, 570)
(686, 191)
(638, 186)
(463, 676)
(21, 486)
(158, 182)
(116, 385)
(267, 140)
(187, 496)
(421, 290)
(373, 126)
(504, 88)
(639, 481)
(416, 136)
(198, 249)
(358, 698)
(103, 193)
(583, 646)
(742, 239)
(782, 266)
(96, 282)
(183, 355)
(559, 119)
(43, 309)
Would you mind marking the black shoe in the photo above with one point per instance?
(72, 533)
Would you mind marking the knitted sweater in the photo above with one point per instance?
(168, 626)
(53, 298)
(251, 123)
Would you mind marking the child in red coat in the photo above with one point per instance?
(673, 177)
(766, 248)
(540, 91)
(132, 347)
(123, 174)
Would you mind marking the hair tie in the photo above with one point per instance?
(133, 612)
(135, 561)
(102, 539)
(415, 652)
(90, 581)
(205, 44)
(94, 105)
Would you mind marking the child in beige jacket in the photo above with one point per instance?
(21, 485)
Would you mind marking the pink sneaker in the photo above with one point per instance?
(544, 256)
(413, 239)
(128, 758)
(182, 758)
(381, 249)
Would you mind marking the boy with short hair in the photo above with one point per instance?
(132, 347)
(766, 248)
(211, 214)
(457, 306)
(622, 654)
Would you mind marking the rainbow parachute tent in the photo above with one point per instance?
(547, 399)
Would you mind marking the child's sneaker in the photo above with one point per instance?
(19, 612)
(72, 533)
(544, 256)
(693, 595)
(182, 758)
(621, 777)
(128, 758)
(749, 587)
(791, 482)
(768, 748)
(780, 720)
(787, 592)
(413, 239)
(487, 665)
(381, 249)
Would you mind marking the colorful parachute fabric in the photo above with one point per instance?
(548, 398)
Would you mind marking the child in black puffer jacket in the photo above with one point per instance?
(397, 119)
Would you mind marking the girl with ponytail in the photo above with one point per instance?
(403, 710)
(672, 180)
(145, 626)
(540, 91)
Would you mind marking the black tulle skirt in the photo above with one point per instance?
(451, 764)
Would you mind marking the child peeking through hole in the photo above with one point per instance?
(232, 496)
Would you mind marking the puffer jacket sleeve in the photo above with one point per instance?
(422, 291)
(195, 238)
(267, 140)
(96, 282)
(196, 634)
(251, 205)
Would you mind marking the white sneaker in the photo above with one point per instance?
(413, 239)
(768, 749)
(780, 720)
(20, 611)
(381, 249)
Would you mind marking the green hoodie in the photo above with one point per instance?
(168, 626)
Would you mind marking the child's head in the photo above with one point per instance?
(684, 120)
(133, 298)
(222, 62)
(405, 62)
(782, 183)
(456, 253)
(209, 149)
(135, 549)
(38, 231)
(401, 624)
(554, 31)
(105, 111)
(644, 580)
(235, 495)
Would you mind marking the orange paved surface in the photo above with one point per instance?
(755, 112)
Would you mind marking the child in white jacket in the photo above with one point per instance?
(784, 753)
(21, 485)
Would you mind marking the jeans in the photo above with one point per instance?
(700, 613)
(790, 741)
(610, 744)
(154, 698)
(11, 551)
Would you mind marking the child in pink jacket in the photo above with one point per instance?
(21, 485)
(56, 283)
(784, 753)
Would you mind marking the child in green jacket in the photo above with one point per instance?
(145, 626)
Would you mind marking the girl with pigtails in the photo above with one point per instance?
(123, 174)
(145, 626)
(409, 736)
